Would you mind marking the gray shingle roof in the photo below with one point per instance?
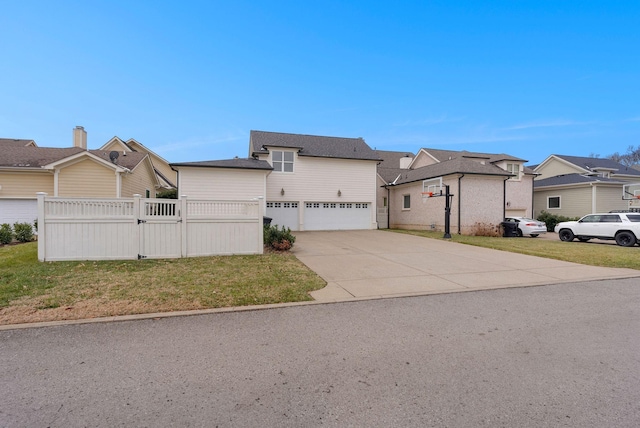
(443, 155)
(312, 145)
(227, 163)
(459, 165)
(36, 157)
(566, 179)
(14, 142)
(591, 163)
(389, 168)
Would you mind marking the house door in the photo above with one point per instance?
(160, 229)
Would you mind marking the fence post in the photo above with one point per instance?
(42, 247)
(184, 218)
(136, 226)
(260, 225)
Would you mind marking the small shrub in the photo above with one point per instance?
(551, 220)
(279, 239)
(23, 232)
(6, 234)
(168, 194)
(485, 229)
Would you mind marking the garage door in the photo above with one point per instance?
(283, 214)
(337, 216)
(18, 210)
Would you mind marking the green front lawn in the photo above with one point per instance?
(596, 253)
(34, 291)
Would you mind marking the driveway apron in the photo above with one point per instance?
(375, 264)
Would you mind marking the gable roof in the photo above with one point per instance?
(389, 169)
(15, 142)
(459, 165)
(227, 163)
(34, 157)
(575, 179)
(591, 164)
(312, 145)
(14, 156)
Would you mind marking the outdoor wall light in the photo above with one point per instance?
(339, 192)
(282, 191)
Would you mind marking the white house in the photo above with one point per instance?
(307, 182)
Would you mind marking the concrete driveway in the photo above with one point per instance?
(374, 264)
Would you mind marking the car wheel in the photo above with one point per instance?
(626, 239)
(584, 239)
(533, 235)
(519, 233)
(566, 235)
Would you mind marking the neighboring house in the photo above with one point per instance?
(167, 177)
(573, 186)
(485, 187)
(26, 169)
(308, 182)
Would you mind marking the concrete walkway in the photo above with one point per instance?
(374, 264)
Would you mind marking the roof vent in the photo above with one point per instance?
(114, 156)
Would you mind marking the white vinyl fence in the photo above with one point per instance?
(140, 228)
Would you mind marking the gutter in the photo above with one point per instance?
(504, 198)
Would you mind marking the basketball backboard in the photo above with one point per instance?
(432, 187)
(631, 193)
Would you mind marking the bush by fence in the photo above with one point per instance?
(23, 232)
(278, 239)
(6, 234)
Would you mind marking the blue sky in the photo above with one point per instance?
(190, 79)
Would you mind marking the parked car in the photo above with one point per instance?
(623, 227)
(528, 226)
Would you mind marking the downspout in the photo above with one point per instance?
(388, 207)
(504, 198)
(459, 203)
(532, 197)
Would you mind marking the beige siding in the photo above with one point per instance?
(116, 145)
(574, 202)
(610, 198)
(422, 159)
(87, 179)
(139, 181)
(221, 183)
(164, 168)
(556, 167)
(481, 202)
(25, 184)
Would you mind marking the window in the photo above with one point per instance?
(282, 161)
(384, 201)
(553, 202)
(514, 169)
(406, 202)
(633, 218)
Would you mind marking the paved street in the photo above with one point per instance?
(559, 355)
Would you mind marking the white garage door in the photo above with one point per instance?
(18, 210)
(337, 216)
(283, 214)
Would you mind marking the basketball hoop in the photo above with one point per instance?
(430, 194)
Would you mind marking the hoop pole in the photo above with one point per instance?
(447, 213)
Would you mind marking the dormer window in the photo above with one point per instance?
(514, 168)
(282, 161)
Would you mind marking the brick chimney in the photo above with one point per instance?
(80, 137)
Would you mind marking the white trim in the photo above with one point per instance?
(404, 195)
(559, 202)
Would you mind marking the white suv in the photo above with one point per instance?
(623, 227)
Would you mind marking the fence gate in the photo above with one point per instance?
(160, 226)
